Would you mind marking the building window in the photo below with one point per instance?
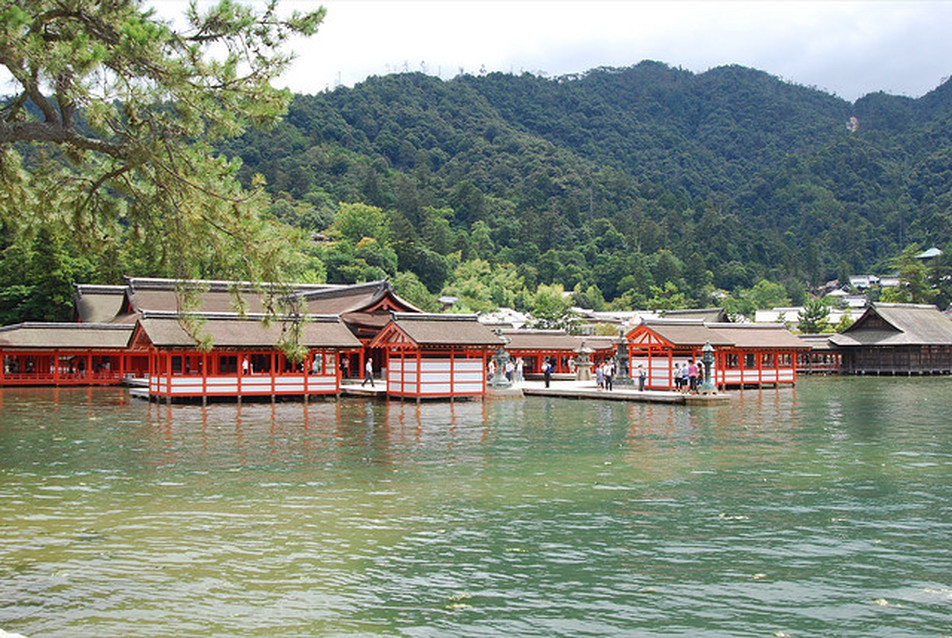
(317, 364)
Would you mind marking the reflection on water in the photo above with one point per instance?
(816, 511)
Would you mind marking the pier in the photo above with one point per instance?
(589, 390)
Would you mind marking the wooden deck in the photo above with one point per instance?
(588, 390)
(557, 388)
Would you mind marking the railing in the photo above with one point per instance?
(101, 377)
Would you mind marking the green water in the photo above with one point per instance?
(819, 511)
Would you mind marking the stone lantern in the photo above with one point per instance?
(707, 359)
(500, 359)
(622, 376)
(583, 363)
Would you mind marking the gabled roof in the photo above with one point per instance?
(97, 304)
(695, 333)
(211, 296)
(704, 314)
(684, 332)
(165, 330)
(897, 324)
(72, 336)
(552, 340)
(758, 335)
(818, 341)
(355, 298)
(929, 254)
(431, 330)
(217, 285)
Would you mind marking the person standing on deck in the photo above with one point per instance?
(368, 373)
(692, 376)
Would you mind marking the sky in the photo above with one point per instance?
(845, 48)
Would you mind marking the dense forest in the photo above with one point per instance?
(622, 184)
(645, 186)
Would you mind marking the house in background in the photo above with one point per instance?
(897, 339)
(928, 255)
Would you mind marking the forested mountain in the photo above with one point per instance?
(617, 180)
(646, 186)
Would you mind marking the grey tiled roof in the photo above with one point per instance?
(48, 336)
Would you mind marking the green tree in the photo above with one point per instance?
(354, 222)
(484, 287)
(111, 126)
(36, 279)
(767, 294)
(412, 289)
(667, 297)
(914, 284)
(844, 323)
(551, 307)
(813, 317)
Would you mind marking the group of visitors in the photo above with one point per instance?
(514, 371)
(605, 374)
(686, 377)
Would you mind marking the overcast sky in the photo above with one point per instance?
(846, 48)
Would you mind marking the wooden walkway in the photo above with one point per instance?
(352, 388)
(557, 388)
(588, 390)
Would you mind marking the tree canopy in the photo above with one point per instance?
(110, 136)
(639, 187)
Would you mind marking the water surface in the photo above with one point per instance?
(820, 510)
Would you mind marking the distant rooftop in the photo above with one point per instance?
(929, 254)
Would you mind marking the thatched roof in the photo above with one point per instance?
(897, 325)
(686, 332)
(165, 330)
(72, 336)
(211, 296)
(758, 335)
(356, 298)
(431, 330)
(704, 314)
(98, 304)
(553, 340)
(819, 341)
(695, 333)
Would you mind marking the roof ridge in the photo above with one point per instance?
(432, 316)
(905, 305)
(237, 316)
(74, 325)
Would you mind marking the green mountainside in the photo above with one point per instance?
(620, 179)
(647, 186)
